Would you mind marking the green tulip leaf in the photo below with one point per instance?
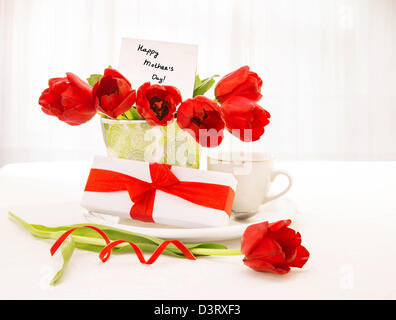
(198, 82)
(102, 115)
(204, 85)
(206, 246)
(128, 114)
(93, 78)
(132, 114)
(122, 117)
(67, 249)
(90, 240)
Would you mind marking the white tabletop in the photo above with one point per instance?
(346, 216)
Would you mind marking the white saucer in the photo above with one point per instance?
(277, 210)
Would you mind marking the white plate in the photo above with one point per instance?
(277, 210)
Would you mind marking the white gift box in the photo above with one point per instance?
(168, 209)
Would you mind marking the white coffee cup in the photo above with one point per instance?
(255, 172)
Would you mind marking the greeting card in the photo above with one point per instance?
(160, 62)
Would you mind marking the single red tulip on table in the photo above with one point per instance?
(113, 94)
(244, 118)
(242, 83)
(202, 118)
(157, 103)
(69, 99)
(273, 247)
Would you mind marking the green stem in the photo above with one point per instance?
(198, 249)
(217, 252)
(94, 241)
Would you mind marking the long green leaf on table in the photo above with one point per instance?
(88, 239)
(67, 249)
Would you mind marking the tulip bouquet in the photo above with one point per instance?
(267, 247)
(234, 108)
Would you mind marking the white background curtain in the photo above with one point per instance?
(328, 68)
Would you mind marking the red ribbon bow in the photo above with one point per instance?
(142, 193)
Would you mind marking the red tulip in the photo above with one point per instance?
(201, 117)
(244, 118)
(69, 99)
(157, 103)
(241, 82)
(273, 247)
(113, 94)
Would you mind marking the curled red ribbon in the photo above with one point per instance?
(142, 193)
(105, 253)
(63, 237)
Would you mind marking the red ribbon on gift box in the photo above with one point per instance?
(142, 193)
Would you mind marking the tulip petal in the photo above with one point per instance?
(126, 104)
(238, 106)
(72, 96)
(105, 86)
(107, 103)
(290, 255)
(78, 115)
(230, 81)
(264, 266)
(260, 117)
(158, 91)
(267, 249)
(110, 72)
(301, 258)
(80, 84)
(45, 98)
(252, 237)
(287, 238)
(275, 226)
(256, 134)
(56, 108)
(57, 88)
(277, 259)
(123, 87)
(257, 78)
(56, 81)
(175, 94)
(49, 103)
(249, 89)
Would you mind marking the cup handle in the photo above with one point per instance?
(274, 174)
